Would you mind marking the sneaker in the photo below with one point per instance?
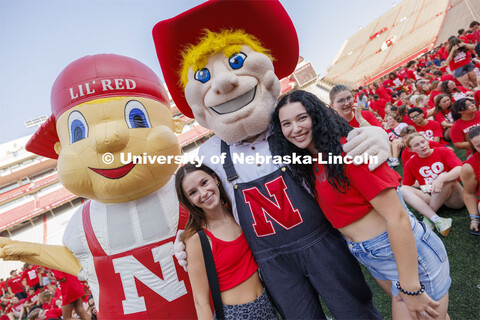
(393, 162)
(443, 226)
(428, 223)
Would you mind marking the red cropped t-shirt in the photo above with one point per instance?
(342, 209)
(233, 260)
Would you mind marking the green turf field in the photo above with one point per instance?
(464, 254)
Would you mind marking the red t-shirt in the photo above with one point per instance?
(459, 94)
(53, 313)
(431, 100)
(384, 93)
(449, 76)
(368, 116)
(407, 154)
(51, 305)
(16, 284)
(474, 161)
(442, 116)
(431, 130)
(406, 119)
(342, 209)
(379, 107)
(3, 286)
(31, 276)
(460, 128)
(476, 95)
(15, 307)
(70, 287)
(426, 170)
(396, 83)
(461, 59)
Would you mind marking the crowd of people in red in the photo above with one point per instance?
(428, 107)
(38, 293)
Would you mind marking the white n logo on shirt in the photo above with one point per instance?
(130, 268)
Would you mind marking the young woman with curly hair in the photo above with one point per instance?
(364, 206)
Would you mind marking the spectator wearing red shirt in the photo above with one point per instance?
(436, 171)
(348, 197)
(378, 106)
(435, 89)
(341, 100)
(383, 92)
(15, 286)
(470, 175)
(30, 277)
(395, 82)
(15, 308)
(466, 116)
(443, 114)
(72, 293)
(460, 62)
(393, 127)
(430, 129)
(455, 92)
(407, 153)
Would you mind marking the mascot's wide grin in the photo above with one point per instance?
(236, 103)
(115, 173)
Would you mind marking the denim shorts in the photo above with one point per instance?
(260, 309)
(433, 267)
(457, 73)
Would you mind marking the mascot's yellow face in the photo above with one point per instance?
(234, 96)
(98, 140)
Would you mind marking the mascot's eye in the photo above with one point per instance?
(202, 75)
(136, 115)
(236, 61)
(77, 126)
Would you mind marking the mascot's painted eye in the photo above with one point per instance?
(77, 126)
(236, 61)
(136, 115)
(202, 75)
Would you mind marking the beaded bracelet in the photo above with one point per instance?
(411, 293)
(474, 217)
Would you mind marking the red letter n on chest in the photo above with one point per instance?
(279, 208)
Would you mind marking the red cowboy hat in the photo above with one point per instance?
(266, 20)
(93, 77)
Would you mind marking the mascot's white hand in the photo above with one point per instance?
(179, 250)
(370, 140)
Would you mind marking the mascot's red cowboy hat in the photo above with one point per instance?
(266, 20)
(100, 72)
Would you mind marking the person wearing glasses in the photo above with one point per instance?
(430, 129)
(466, 116)
(342, 101)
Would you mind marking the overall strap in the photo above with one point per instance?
(228, 165)
(211, 274)
(93, 244)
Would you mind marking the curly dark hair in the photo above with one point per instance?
(327, 130)
(458, 106)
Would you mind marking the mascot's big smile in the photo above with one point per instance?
(237, 103)
(115, 173)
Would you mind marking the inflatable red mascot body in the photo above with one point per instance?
(106, 109)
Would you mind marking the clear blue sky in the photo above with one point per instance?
(38, 38)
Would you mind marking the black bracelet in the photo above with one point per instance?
(410, 293)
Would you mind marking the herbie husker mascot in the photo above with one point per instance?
(217, 62)
(122, 239)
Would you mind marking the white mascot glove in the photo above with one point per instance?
(370, 140)
(179, 250)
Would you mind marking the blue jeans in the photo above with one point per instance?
(433, 267)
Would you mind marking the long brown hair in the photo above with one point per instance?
(197, 218)
(439, 98)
